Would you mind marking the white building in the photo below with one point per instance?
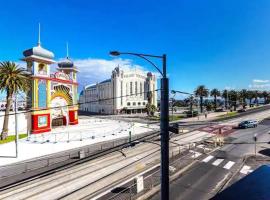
(127, 91)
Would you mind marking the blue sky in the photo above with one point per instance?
(216, 43)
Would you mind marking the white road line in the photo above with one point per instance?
(208, 158)
(201, 146)
(195, 154)
(217, 162)
(229, 165)
(245, 169)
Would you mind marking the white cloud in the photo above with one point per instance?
(259, 86)
(92, 70)
(260, 81)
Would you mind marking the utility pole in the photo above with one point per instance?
(16, 125)
(164, 118)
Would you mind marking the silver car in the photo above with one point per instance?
(248, 124)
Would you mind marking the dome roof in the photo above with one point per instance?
(66, 63)
(38, 51)
(149, 74)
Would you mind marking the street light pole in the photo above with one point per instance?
(164, 126)
(164, 118)
(16, 125)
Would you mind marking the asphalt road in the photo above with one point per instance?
(199, 183)
(205, 179)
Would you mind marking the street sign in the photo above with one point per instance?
(139, 181)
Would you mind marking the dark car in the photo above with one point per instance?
(248, 124)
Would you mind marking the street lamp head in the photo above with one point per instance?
(173, 91)
(114, 53)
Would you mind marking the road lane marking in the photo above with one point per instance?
(195, 154)
(217, 162)
(245, 169)
(208, 158)
(201, 146)
(229, 165)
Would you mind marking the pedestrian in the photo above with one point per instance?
(205, 114)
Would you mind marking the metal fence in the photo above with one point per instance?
(65, 157)
(179, 158)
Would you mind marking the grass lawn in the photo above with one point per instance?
(230, 114)
(12, 138)
(174, 118)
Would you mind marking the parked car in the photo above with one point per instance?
(248, 124)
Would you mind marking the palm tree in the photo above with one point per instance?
(265, 95)
(225, 95)
(215, 93)
(201, 91)
(13, 79)
(250, 95)
(256, 94)
(233, 97)
(243, 95)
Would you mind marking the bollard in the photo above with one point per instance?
(68, 138)
(81, 136)
(55, 138)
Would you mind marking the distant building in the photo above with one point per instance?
(127, 91)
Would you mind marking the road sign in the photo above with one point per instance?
(139, 181)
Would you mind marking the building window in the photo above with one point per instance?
(128, 103)
(134, 103)
(130, 89)
(140, 89)
(126, 88)
(139, 103)
(144, 103)
(136, 88)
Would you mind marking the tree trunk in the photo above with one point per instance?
(257, 102)
(201, 104)
(226, 103)
(4, 133)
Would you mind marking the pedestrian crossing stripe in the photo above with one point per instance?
(217, 162)
(208, 158)
(244, 170)
(229, 165)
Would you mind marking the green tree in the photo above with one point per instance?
(233, 98)
(225, 95)
(151, 109)
(201, 91)
(243, 96)
(250, 95)
(265, 96)
(256, 95)
(13, 80)
(215, 93)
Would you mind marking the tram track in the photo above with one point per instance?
(75, 179)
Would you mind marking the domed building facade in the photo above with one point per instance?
(53, 96)
(127, 91)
